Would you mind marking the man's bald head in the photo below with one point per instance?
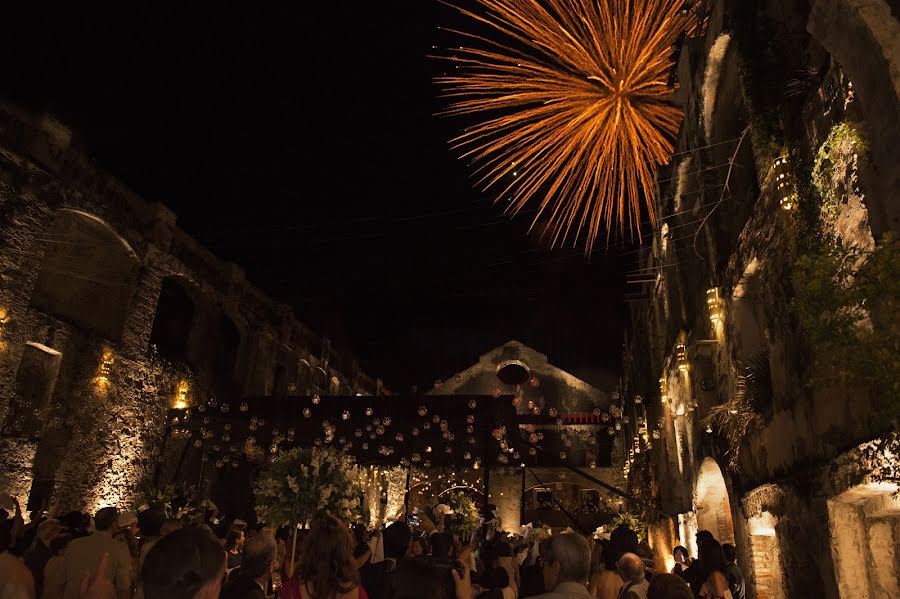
(631, 567)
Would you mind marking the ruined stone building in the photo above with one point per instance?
(762, 350)
(110, 315)
(564, 424)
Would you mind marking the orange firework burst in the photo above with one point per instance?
(573, 105)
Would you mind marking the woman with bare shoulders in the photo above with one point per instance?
(714, 567)
(605, 581)
(327, 568)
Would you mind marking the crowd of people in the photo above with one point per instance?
(121, 555)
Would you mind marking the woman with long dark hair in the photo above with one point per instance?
(327, 568)
(713, 568)
(234, 542)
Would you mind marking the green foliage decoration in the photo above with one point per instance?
(173, 500)
(302, 482)
(465, 520)
(844, 142)
(848, 303)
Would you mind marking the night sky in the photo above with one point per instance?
(303, 146)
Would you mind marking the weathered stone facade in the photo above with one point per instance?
(109, 315)
(719, 319)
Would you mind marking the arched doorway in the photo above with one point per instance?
(88, 274)
(711, 504)
(173, 320)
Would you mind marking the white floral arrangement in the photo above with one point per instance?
(302, 482)
(540, 534)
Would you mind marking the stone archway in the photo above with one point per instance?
(711, 502)
(174, 319)
(88, 274)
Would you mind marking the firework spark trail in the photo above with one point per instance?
(573, 106)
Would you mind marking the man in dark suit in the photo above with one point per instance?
(252, 578)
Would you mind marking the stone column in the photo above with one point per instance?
(139, 321)
(24, 221)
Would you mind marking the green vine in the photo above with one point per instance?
(848, 302)
(838, 153)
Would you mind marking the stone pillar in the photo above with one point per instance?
(506, 494)
(139, 322)
(23, 220)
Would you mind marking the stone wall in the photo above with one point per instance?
(83, 262)
(723, 289)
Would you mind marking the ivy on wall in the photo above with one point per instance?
(848, 303)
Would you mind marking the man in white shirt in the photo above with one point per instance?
(83, 556)
(567, 566)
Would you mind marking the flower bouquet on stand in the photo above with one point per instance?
(463, 519)
(303, 482)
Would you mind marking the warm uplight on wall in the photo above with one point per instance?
(4, 318)
(784, 184)
(181, 396)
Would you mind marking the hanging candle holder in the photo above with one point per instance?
(785, 185)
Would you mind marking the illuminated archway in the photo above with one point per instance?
(711, 504)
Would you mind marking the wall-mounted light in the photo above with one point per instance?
(785, 186)
(681, 357)
(714, 305)
(104, 370)
(181, 395)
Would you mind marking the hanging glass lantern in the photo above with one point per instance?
(472, 404)
(785, 186)
(316, 399)
(681, 357)
(345, 415)
(714, 305)
(422, 410)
